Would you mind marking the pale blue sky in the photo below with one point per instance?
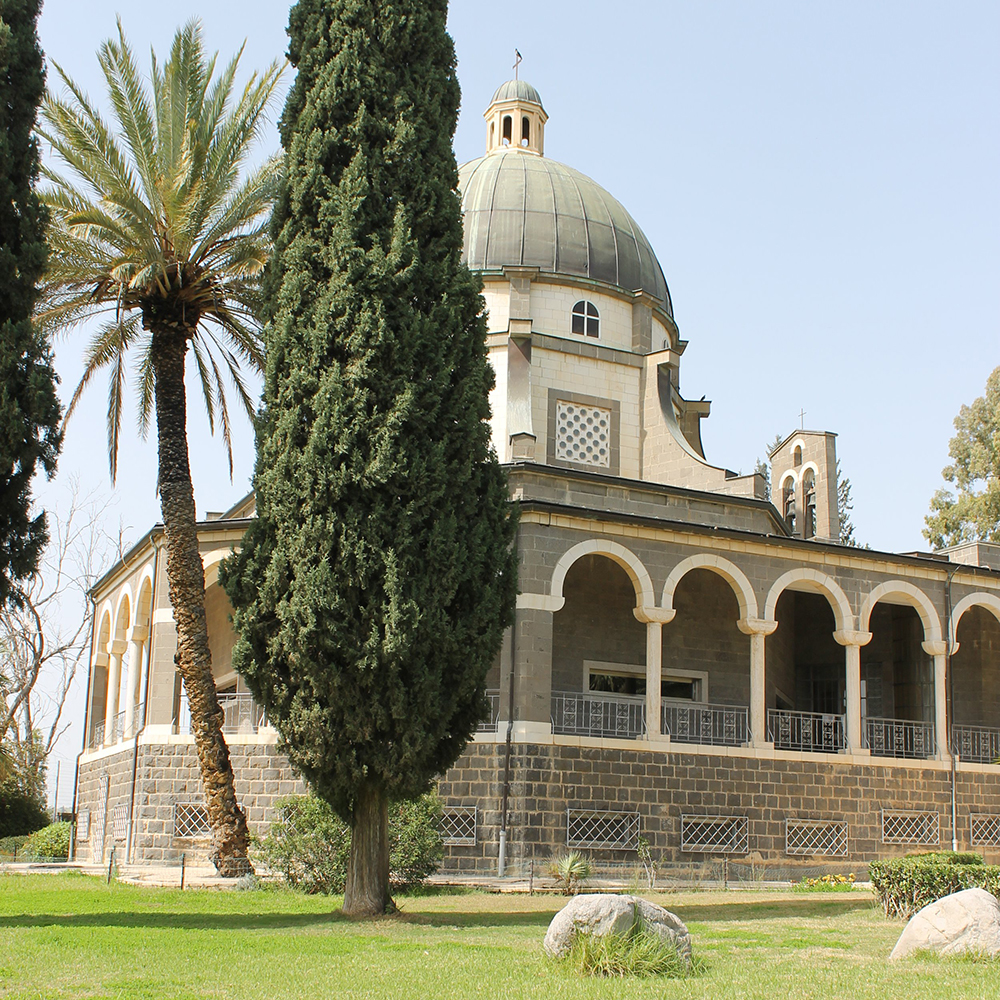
(819, 181)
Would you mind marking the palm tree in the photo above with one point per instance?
(155, 231)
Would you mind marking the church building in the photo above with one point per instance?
(696, 659)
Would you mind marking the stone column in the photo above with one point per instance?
(654, 619)
(533, 666)
(133, 676)
(936, 649)
(758, 629)
(115, 649)
(654, 674)
(852, 642)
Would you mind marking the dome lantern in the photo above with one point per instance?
(516, 119)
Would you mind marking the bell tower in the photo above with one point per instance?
(516, 119)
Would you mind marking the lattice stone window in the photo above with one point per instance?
(984, 830)
(911, 828)
(83, 825)
(458, 825)
(583, 434)
(715, 834)
(602, 829)
(816, 836)
(191, 820)
(120, 821)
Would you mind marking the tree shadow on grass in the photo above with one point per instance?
(187, 921)
(791, 908)
(518, 918)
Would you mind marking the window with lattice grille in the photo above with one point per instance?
(816, 836)
(600, 829)
(583, 434)
(984, 830)
(191, 820)
(119, 819)
(911, 828)
(458, 825)
(715, 834)
(83, 825)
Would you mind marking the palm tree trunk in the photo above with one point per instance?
(186, 583)
(367, 890)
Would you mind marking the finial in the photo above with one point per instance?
(517, 62)
(802, 419)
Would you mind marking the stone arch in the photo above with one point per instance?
(211, 562)
(628, 560)
(103, 634)
(901, 592)
(123, 614)
(988, 601)
(142, 616)
(729, 572)
(812, 581)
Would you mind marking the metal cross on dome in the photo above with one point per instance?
(517, 62)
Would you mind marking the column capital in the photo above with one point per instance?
(117, 646)
(756, 626)
(851, 637)
(138, 633)
(540, 602)
(651, 615)
(935, 647)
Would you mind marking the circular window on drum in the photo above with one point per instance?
(583, 434)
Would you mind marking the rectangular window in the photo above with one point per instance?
(678, 688)
(715, 834)
(911, 828)
(602, 829)
(813, 836)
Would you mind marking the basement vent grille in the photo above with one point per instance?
(614, 830)
(985, 830)
(715, 834)
(191, 820)
(816, 836)
(911, 828)
(120, 821)
(583, 434)
(83, 825)
(458, 825)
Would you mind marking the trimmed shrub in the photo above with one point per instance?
(20, 813)
(51, 842)
(905, 885)
(309, 844)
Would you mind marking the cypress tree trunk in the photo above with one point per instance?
(186, 584)
(367, 891)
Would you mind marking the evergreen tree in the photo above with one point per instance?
(29, 408)
(374, 585)
(845, 504)
(972, 513)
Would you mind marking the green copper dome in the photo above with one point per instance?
(524, 210)
(516, 90)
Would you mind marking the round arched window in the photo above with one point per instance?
(586, 319)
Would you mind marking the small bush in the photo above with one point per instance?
(51, 842)
(569, 872)
(905, 885)
(310, 845)
(11, 846)
(20, 813)
(827, 883)
(948, 857)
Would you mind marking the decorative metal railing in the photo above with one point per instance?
(241, 714)
(490, 725)
(976, 743)
(602, 829)
(806, 731)
(900, 738)
(589, 714)
(119, 728)
(98, 739)
(720, 725)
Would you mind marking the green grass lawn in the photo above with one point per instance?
(73, 936)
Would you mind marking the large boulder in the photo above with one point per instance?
(966, 921)
(600, 914)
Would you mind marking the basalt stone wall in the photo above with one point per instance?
(546, 781)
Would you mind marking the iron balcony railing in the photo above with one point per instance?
(240, 714)
(899, 738)
(491, 724)
(98, 739)
(719, 725)
(119, 728)
(814, 731)
(592, 714)
(976, 743)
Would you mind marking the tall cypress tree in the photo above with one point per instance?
(29, 407)
(373, 587)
